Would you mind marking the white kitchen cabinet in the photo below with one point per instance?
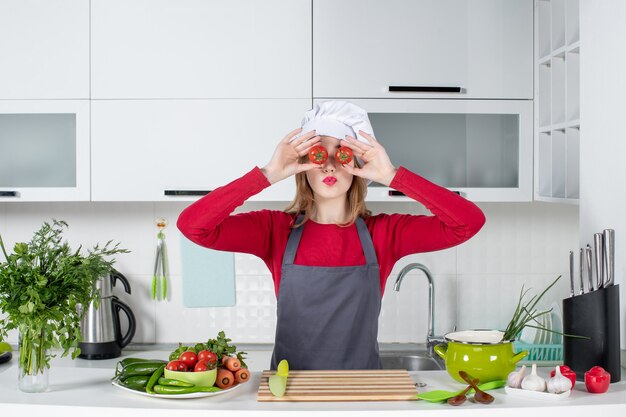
(184, 49)
(482, 149)
(175, 150)
(363, 48)
(44, 49)
(44, 150)
(557, 99)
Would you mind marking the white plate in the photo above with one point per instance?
(557, 323)
(539, 333)
(536, 395)
(177, 396)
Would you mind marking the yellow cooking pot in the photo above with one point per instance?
(481, 353)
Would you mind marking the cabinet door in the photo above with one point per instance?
(143, 148)
(44, 49)
(482, 149)
(363, 47)
(44, 150)
(201, 49)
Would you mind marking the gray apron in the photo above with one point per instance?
(327, 317)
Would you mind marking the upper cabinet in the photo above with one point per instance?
(44, 150)
(557, 101)
(423, 48)
(178, 150)
(187, 49)
(44, 49)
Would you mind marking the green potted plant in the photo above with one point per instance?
(41, 285)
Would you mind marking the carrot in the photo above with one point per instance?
(232, 364)
(225, 378)
(242, 375)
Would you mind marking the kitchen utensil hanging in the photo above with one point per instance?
(159, 279)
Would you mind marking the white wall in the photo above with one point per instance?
(602, 115)
(476, 284)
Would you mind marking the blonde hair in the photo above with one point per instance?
(303, 201)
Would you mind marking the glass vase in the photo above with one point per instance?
(32, 361)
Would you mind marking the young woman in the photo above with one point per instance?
(329, 257)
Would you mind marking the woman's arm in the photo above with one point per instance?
(454, 219)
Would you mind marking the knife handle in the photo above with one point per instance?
(580, 272)
(571, 273)
(609, 255)
(598, 243)
(588, 253)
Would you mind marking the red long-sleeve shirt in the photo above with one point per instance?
(208, 222)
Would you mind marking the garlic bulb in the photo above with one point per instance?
(559, 383)
(534, 382)
(514, 380)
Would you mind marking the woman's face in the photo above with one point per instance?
(330, 180)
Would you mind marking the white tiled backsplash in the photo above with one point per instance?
(477, 284)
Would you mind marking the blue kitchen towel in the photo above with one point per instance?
(208, 276)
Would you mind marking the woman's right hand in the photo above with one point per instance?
(285, 161)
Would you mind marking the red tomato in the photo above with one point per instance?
(318, 154)
(189, 358)
(343, 155)
(566, 372)
(597, 380)
(207, 356)
(201, 367)
(176, 366)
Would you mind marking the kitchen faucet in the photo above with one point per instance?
(431, 341)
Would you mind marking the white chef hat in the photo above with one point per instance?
(337, 119)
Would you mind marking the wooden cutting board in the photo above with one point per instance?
(348, 385)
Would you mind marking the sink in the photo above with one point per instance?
(410, 362)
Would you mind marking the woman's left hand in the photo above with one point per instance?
(377, 165)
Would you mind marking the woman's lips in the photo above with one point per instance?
(329, 180)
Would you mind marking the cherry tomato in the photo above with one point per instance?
(566, 372)
(201, 367)
(189, 358)
(176, 365)
(318, 154)
(343, 155)
(597, 380)
(207, 356)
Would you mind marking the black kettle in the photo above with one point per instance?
(100, 327)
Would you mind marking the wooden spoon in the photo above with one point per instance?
(479, 395)
(460, 399)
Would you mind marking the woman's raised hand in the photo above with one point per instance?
(285, 161)
(377, 165)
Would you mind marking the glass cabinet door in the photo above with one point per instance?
(44, 150)
(479, 148)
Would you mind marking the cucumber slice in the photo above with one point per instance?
(278, 385)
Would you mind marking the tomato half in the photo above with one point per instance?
(318, 154)
(343, 155)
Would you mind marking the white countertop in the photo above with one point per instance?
(83, 388)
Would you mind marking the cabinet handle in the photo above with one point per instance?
(8, 194)
(396, 193)
(423, 89)
(185, 193)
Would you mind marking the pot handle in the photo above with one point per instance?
(519, 356)
(441, 350)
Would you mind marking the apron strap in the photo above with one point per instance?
(364, 236)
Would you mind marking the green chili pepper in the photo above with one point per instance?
(168, 389)
(174, 382)
(154, 378)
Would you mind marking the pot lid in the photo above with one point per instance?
(482, 337)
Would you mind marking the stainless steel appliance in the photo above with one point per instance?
(100, 327)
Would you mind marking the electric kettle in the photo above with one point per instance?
(100, 327)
